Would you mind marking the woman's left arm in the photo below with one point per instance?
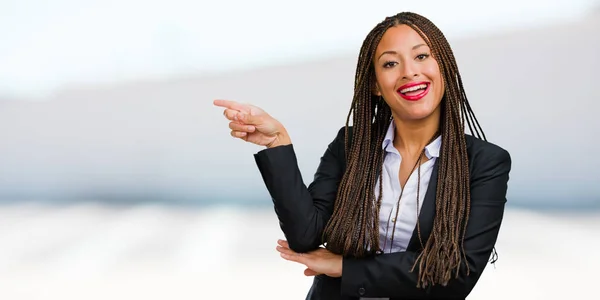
(388, 275)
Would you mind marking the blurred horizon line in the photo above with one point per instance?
(591, 205)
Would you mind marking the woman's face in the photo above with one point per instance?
(408, 77)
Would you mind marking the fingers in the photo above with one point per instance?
(239, 134)
(247, 118)
(230, 114)
(290, 255)
(287, 251)
(319, 261)
(240, 130)
(241, 117)
(294, 258)
(283, 243)
(231, 105)
(241, 127)
(309, 272)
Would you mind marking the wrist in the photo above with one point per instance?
(281, 139)
(340, 266)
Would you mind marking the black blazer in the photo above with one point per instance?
(304, 211)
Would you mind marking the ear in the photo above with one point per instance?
(376, 90)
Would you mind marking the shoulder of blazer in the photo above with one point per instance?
(339, 143)
(483, 153)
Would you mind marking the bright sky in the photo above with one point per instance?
(48, 44)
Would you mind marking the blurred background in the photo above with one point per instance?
(119, 180)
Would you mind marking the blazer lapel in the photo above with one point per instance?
(426, 214)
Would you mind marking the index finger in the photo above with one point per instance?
(283, 243)
(231, 105)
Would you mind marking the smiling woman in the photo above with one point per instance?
(406, 204)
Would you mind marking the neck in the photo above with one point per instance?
(411, 136)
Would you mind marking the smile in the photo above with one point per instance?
(414, 91)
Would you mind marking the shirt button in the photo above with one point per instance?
(393, 219)
(361, 291)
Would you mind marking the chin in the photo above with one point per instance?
(418, 117)
(419, 114)
(414, 111)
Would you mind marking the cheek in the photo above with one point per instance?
(386, 82)
(433, 72)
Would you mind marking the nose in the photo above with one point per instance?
(409, 70)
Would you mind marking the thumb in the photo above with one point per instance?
(309, 272)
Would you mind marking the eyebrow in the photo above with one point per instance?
(394, 52)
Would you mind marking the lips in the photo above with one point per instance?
(414, 91)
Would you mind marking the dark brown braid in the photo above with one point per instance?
(353, 229)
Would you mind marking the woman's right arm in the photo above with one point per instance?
(303, 211)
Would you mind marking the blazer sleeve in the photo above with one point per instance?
(302, 211)
(388, 275)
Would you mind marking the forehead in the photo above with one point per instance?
(399, 38)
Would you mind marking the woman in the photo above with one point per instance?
(407, 205)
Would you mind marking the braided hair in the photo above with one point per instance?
(353, 229)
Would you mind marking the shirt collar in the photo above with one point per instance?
(431, 150)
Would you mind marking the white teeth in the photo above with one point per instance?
(413, 88)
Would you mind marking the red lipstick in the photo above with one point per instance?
(420, 93)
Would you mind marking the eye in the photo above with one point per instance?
(422, 56)
(389, 64)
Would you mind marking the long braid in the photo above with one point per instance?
(342, 233)
(353, 229)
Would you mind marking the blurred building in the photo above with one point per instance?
(534, 90)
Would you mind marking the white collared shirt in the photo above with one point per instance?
(408, 212)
